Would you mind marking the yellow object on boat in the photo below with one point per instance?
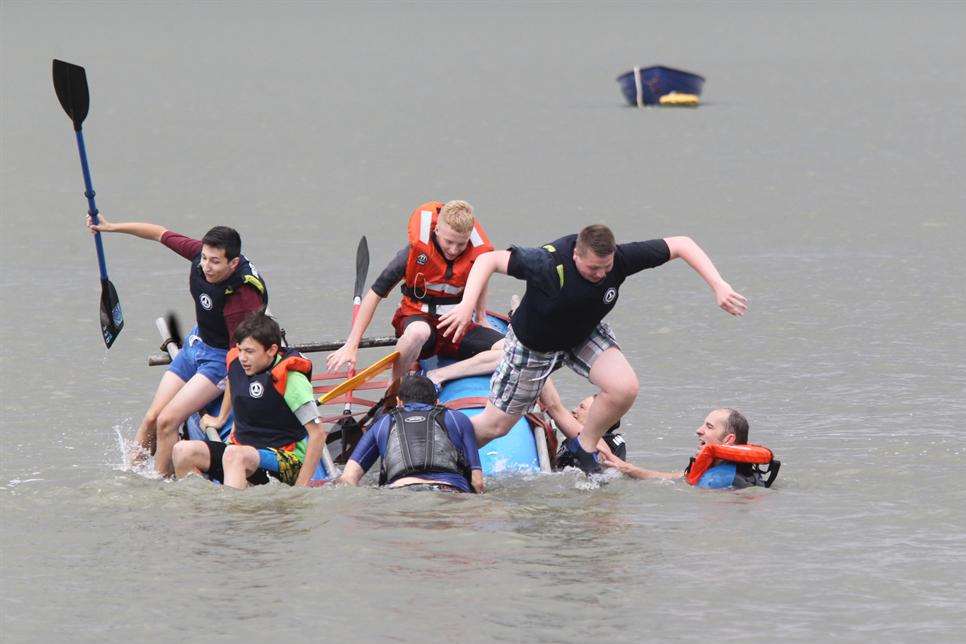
(678, 99)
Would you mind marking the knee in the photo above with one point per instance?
(168, 422)
(417, 333)
(234, 458)
(182, 453)
(625, 391)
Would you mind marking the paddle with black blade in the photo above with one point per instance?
(70, 83)
(348, 425)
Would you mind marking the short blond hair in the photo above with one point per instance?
(458, 215)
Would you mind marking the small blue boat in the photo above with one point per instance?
(646, 86)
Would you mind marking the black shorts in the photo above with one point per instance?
(216, 452)
(476, 340)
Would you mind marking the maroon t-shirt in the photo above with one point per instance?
(239, 306)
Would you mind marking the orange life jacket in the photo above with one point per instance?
(735, 453)
(433, 284)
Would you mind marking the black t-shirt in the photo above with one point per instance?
(394, 271)
(560, 308)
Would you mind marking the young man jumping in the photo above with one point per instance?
(225, 288)
(572, 284)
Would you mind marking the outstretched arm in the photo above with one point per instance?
(148, 231)
(456, 321)
(348, 353)
(727, 298)
(636, 472)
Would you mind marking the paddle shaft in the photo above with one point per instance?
(91, 205)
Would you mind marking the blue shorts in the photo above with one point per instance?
(197, 357)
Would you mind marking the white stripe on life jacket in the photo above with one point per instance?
(425, 222)
(475, 238)
(444, 288)
(440, 310)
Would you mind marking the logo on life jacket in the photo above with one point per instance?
(205, 300)
(415, 419)
(422, 259)
(610, 295)
(255, 390)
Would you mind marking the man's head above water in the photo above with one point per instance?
(723, 426)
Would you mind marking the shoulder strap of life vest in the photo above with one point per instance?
(750, 453)
(231, 355)
(291, 361)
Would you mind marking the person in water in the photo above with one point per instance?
(277, 430)
(420, 443)
(572, 284)
(724, 459)
(444, 241)
(570, 422)
(226, 289)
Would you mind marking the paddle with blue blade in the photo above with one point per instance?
(70, 83)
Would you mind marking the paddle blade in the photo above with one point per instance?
(70, 83)
(112, 320)
(174, 327)
(362, 266)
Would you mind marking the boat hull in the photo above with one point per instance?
(659, 81)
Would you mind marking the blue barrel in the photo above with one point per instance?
(511, 454)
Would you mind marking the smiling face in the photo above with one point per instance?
(215, 264)
(254, 356)
(451, 242)
(714, 429)
(591, 266)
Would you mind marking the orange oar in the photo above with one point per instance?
(365, 375)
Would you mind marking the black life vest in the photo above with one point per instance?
(262, 417)
(210, 299)
(565, 316)
(418, 443)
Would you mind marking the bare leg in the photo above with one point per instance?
(409, 345)
(618, 390)
(190, 457)
(196, 393)
(170, 385)
(492, 423)
(485, 362)
(239, 462)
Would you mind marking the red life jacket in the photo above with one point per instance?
(757, 454)
(432, 283)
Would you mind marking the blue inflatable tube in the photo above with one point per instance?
(514, 453)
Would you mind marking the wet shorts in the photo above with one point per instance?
(282, 464)
(197, 357)
(477, 339)
(516, 383)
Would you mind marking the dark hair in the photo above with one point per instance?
(598, 238)
(260, 327)
(417, 389)
(738, 425)
(225, 238)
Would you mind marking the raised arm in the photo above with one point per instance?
(348, 353)
(726, 297)
(148, 231)
(456, 321)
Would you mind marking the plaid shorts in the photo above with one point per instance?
(516, 383)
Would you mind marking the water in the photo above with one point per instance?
(822, 175)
